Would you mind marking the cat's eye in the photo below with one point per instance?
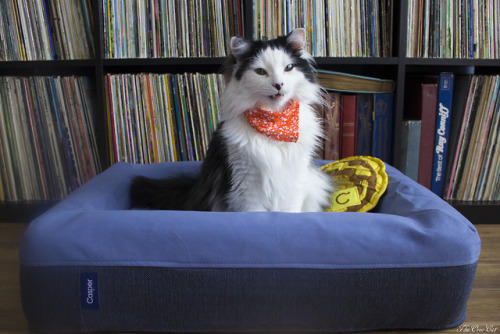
(289, 67)
(260, 71)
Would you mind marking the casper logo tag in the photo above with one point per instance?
(89, 291)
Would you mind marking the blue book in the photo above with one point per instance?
(382, 127)
(365, 124)
(443, 116)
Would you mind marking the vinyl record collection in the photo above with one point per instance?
(453, 29)
(162, 117)
(173, 28)
(474, 173)
(47, 140)
(46, 30)
(335, 28)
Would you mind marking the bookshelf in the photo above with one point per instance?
(397, 67)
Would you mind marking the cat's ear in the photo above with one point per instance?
(297, 39)
(239, 46)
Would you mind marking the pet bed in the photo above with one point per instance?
(90, 264)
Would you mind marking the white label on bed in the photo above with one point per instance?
(89, 291)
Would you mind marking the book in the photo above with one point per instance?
(410, 147)
(365, 124)
(382, 126)
(421, 104)
(349, 125)
(441, 141)
(332, 121)
(344, 82)
(361, 127)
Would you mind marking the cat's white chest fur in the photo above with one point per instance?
(271, 175)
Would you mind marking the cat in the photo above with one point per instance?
(261, 157)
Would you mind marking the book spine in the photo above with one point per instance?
(410, 146)
(443, 114)
(349, 125)
(365, 125)
(332, 126)
(428, 104)
(382, 127)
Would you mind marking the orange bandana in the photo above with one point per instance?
(278, 125)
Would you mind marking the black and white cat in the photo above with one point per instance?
(261, 156)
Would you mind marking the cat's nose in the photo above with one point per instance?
(278, 85)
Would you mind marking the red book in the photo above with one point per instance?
(428, 112)
(349, 125)
(422, 106)
(332, 126)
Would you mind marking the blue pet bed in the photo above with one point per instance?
(90, 264)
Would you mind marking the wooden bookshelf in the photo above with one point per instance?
(397, 67)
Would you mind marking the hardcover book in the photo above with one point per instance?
(382, 127)
(365, 124)
(344, 82)
(349, 125)
(421, 104)
(410, 147)
(443, 114)
(332, 126)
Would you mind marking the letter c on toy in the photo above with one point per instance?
(338, 201)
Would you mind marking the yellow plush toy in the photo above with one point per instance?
(360, 181)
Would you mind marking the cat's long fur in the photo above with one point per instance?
(243, 169)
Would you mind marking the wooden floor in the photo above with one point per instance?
(483, 309)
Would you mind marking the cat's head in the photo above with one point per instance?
(270, 73)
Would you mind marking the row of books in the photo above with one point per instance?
(453, 29)
(46, 30)
(358, 124)
(162, 117)
(358, 115)
(451, 140)
(177, 28)
(47, 140)
(337, 28)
